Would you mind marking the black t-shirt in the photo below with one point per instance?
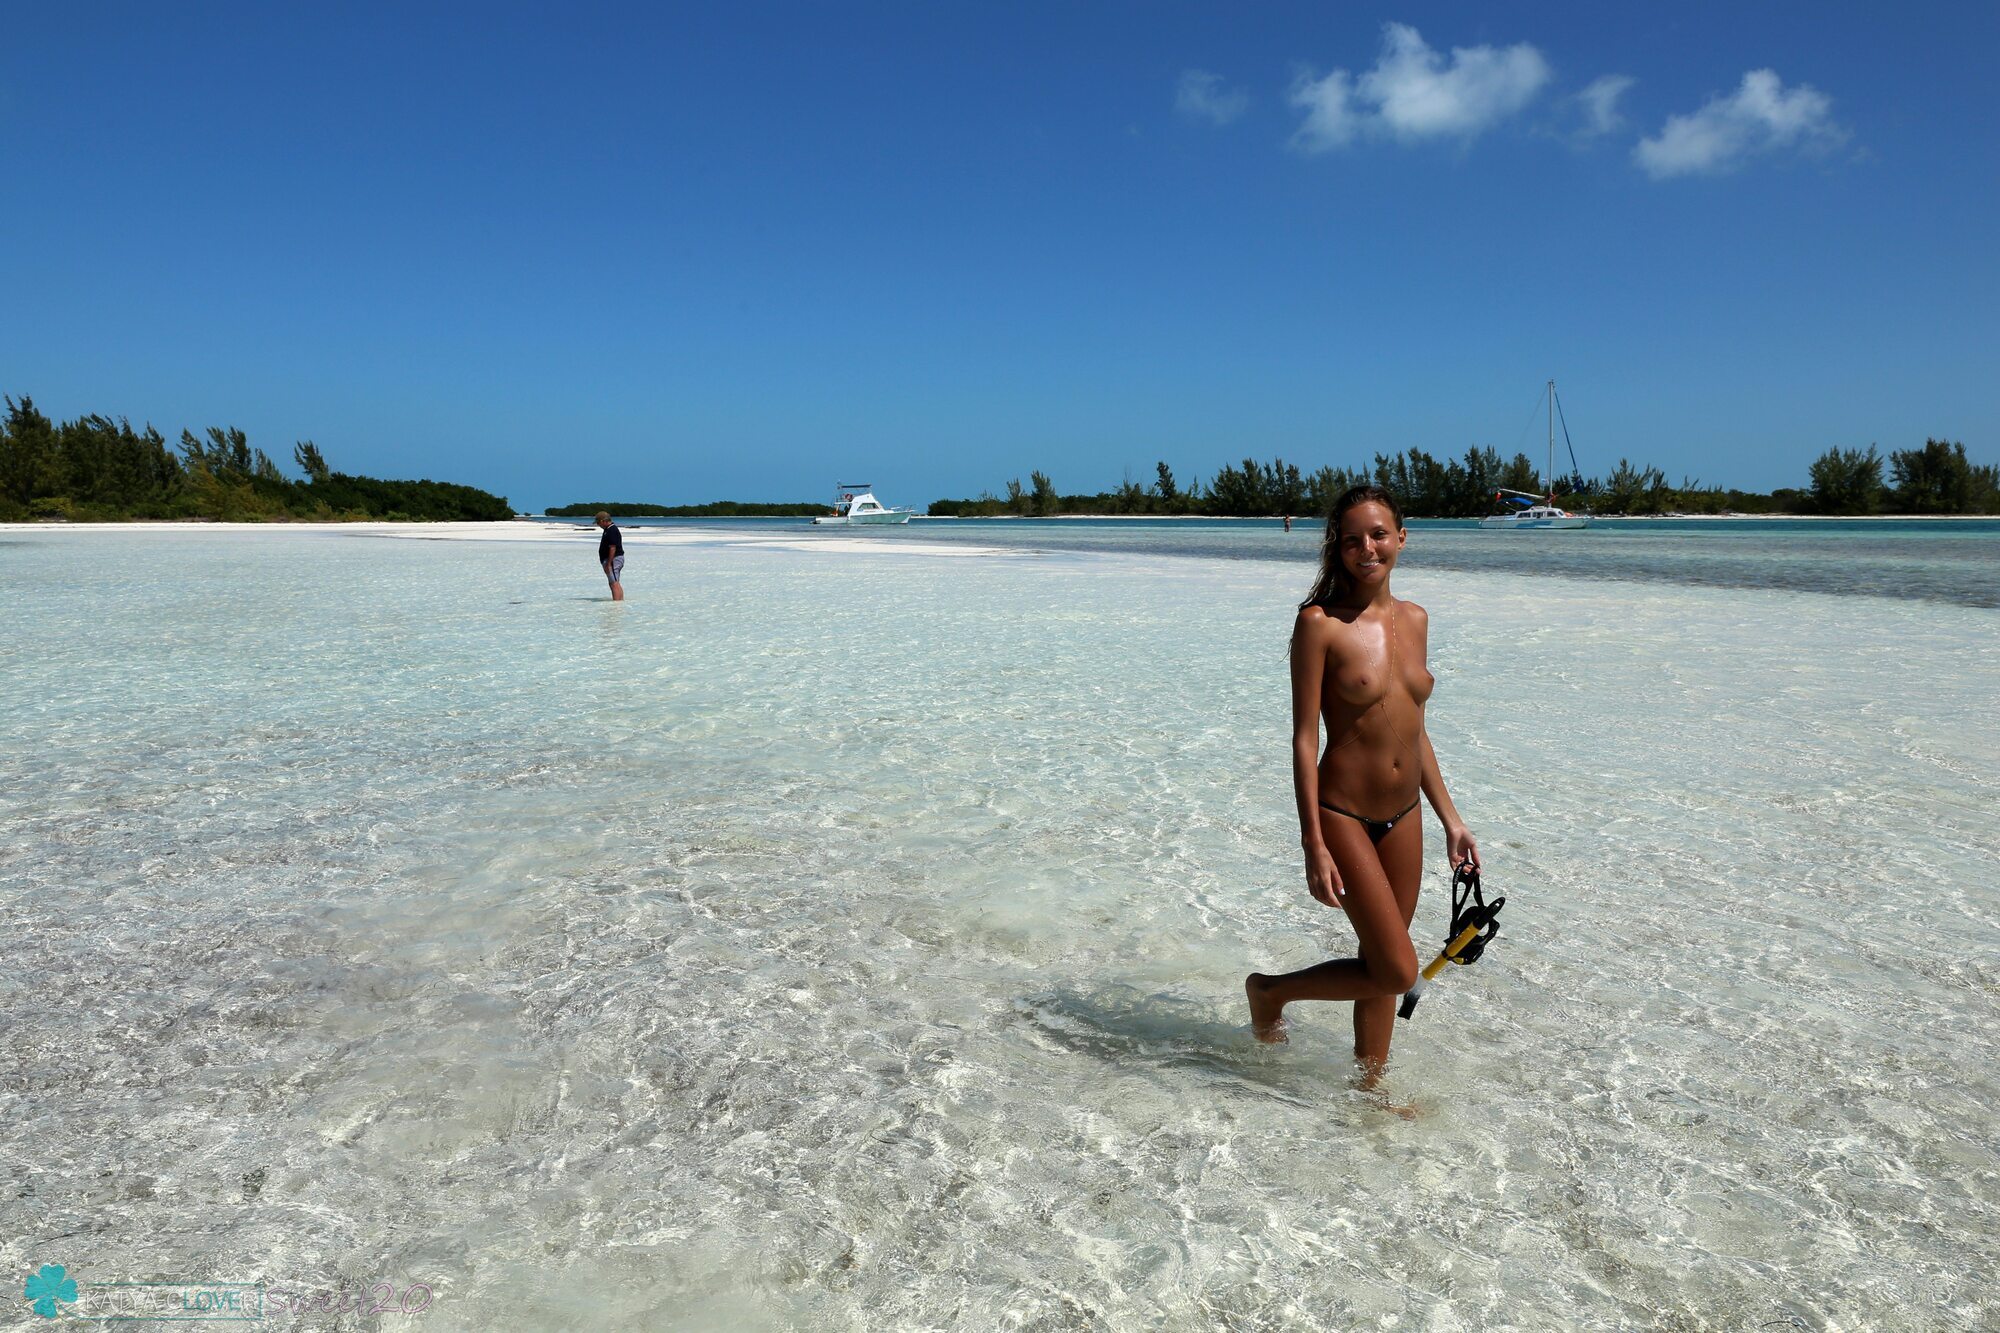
(610, 543)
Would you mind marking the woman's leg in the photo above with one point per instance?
(1388, 964)
(1401, 854)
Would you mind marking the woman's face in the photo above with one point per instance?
(1370, 541)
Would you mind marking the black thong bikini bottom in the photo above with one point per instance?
(1378, 829)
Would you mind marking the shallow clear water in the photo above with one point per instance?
(851, 940)
(1954, 560)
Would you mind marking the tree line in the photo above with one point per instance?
(1936, 479)
(94, 468)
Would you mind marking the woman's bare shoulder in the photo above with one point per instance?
(1417, 622)
(1313, 630)
(1314, 620)
(1325, 633)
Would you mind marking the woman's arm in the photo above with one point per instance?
(1458, 840)
(1309, 647)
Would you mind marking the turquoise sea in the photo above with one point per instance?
(1956, 560)
(849, 934)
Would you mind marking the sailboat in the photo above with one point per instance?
(1538, 511)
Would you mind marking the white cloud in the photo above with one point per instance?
(1201, 96)
(1414, 93)
(1600, 104)
(1331, 117)
(1760, 116)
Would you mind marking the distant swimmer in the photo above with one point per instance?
(1358, 661)
(1288, 523)
(611, 554)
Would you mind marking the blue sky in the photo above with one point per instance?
(679, 254)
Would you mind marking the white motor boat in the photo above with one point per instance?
(855, 503)
(1539, 511)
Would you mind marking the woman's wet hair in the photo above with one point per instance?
(1333, 584)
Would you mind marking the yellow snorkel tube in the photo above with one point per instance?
(1473, 918)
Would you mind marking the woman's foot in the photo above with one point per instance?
(1406, 1110)
(1369, 1082)
(1267, 1021)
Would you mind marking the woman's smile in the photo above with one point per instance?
(1371, 563)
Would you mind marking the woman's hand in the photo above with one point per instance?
(1322, 876)
(1461, 847)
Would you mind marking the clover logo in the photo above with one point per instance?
(47, 1287)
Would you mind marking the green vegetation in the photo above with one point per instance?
(1255, 489)
(1940, 479)
(715, 509)
(1846, 481)
(1936, 479)
(97, 469)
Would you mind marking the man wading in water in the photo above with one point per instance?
(611, 554)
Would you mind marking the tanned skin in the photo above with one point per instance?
(1360, 666)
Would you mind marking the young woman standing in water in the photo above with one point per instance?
(1358, 661)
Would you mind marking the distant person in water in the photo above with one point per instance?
(1288, 523)
(611, 554)
(1358, 662)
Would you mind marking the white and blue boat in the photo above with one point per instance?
(854, 503)
(1539, 511)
